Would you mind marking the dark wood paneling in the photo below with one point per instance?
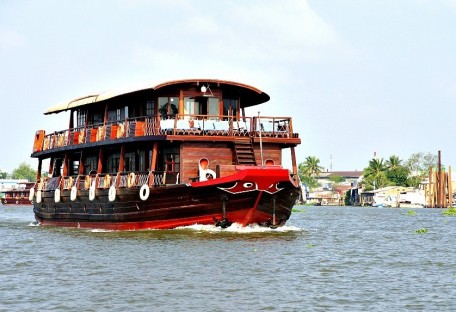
(270, 151)
(191, 153)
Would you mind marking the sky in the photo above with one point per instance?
(358, 77)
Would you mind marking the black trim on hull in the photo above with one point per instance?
(171, 202)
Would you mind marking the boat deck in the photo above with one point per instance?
(191, 127)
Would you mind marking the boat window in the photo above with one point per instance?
(172, 161)
(201, 106)
(118, 114)
(57, 167)
(150, 108)
(74, 167)
(96, 118)
(142, 160)
(168, 106)
(81, 118)
(213, 107)
(191, 106)
(90, 164)
(130, 161)
(230, 107)
(112, 162)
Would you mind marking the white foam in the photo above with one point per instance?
(238, 228)
(100, 230)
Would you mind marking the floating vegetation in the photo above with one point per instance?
(421, 231)
(298, 210)
(411, 212)
(450, 211)
(309, 245)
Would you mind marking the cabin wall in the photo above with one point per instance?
(217, 154)
(270, 151)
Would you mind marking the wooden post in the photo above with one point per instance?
(450, 189)
(442, 189)
(38, 173)
(81, 165)
(153, 163)
(100, 161)
(445, 191)
(434, 189)
(293, 162)
(122, 158)
(181, 105)
(51, 166)
(66, 162)
(429, 189)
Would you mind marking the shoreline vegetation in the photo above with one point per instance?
(422, 174)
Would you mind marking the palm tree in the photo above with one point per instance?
(308, 170)
(310, 167)
(393, 162)
(375, 174)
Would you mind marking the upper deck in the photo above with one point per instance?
(183, 110)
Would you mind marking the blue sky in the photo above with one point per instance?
(357, 77)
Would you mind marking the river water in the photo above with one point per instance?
(325, 259)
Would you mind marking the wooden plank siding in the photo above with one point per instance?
(191, 153)
(270, 151)
(221, 155)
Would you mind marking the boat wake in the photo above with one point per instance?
(234, 228)
(237, 228)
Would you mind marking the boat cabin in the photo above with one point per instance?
(172, 133)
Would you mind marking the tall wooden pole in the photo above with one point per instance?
(435, 189)
(294, 164)
(450, 189)
(439, 180)
(430, 194)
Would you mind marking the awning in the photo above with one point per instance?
(254, 93)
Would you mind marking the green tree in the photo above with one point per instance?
(375, 175)
(311, 166)
(308, 170)
(24, 171)
(398, 176)
(311, 182)
(419, 163)
(393, 163)
(3, 175)
(414, 181)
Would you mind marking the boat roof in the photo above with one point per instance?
(252, 95)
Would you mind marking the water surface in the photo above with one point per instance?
(325, 259)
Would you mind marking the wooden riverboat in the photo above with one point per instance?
(157, 157)
(18, 196)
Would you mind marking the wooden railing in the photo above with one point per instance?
(200, 125)
(103, 181)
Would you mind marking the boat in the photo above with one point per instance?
(162, 156)
(18, 195)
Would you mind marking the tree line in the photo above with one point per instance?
(378, 173)
(23, 171)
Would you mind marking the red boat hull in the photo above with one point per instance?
(253, 196)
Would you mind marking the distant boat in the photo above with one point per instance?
(175, 154)
(18, 196)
